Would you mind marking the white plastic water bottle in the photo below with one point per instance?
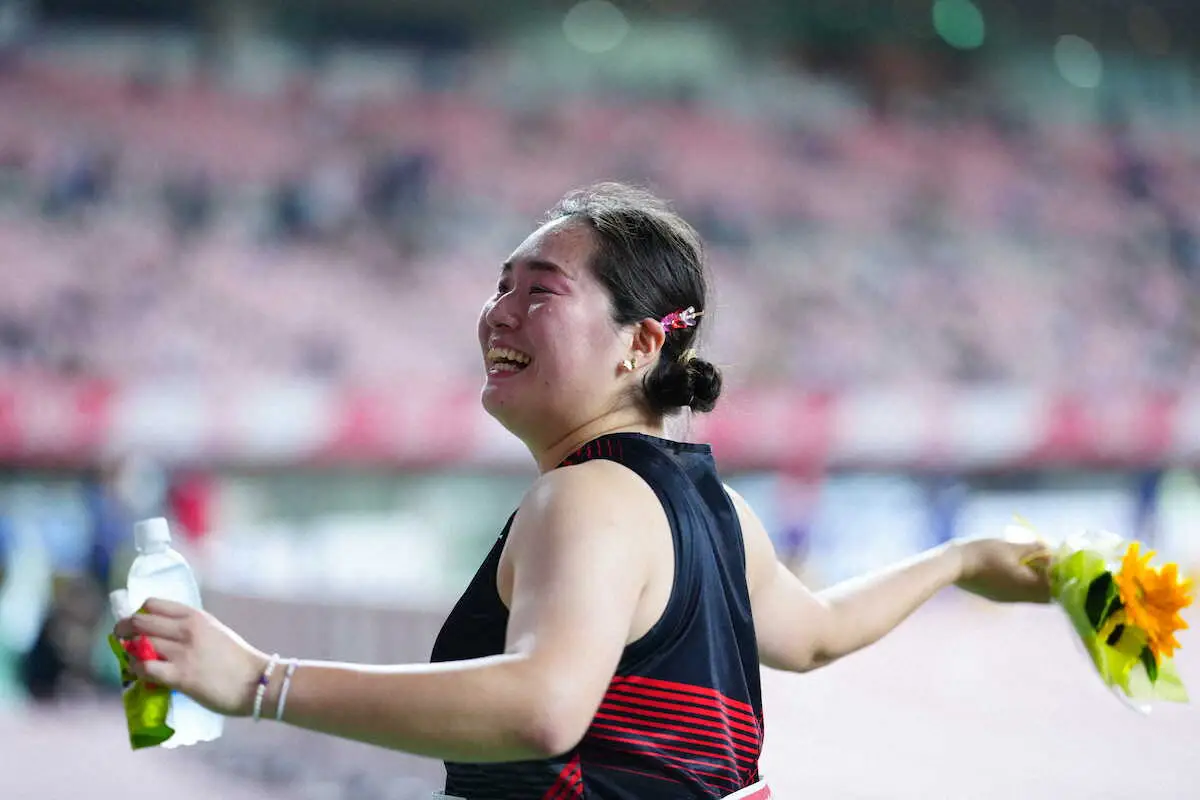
(160, 571)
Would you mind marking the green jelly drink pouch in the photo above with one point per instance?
(146, 704)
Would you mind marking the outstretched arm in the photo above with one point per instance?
(576, 581)
(799, 630)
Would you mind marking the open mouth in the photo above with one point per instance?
(505, 359)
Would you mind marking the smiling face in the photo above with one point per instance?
(551, 348)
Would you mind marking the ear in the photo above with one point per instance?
(648, 339)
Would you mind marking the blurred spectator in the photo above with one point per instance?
(930, 244)
(110, 519)
(6, 547)
(82, 176)
(60, 658)
(16, 22)
(189, 203)
(14, 165)
(396, 195)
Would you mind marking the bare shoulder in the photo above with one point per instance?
(577, 511)
(601, 490)
(586, 482)
(761, 559)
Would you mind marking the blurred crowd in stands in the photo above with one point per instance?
(170, 230)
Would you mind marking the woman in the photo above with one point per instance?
(610, 645)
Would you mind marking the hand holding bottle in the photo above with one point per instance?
(197, 655)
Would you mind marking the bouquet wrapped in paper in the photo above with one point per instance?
(1125, 610)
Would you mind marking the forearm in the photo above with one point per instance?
(478, 711)
(863, 610)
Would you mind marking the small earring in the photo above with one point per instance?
(630, 364)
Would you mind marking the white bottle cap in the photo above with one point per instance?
(151, 532)
(118, 603)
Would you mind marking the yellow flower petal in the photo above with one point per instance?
(1152, 598)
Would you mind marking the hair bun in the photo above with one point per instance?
(675, 384)
(705, 381)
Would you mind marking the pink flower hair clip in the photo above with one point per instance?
(678, 320)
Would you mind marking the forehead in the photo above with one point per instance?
(564, 242)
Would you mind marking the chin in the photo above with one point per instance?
(492, 404)
(518, 419)
(499, 405)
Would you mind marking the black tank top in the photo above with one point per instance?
(682, 717)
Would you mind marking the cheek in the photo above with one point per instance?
(582, 360)
(574, 341)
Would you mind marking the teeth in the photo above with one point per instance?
(506, 354)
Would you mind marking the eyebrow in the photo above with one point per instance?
(538, 265)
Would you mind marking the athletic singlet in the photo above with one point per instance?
(682, 716)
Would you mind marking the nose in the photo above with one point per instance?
(501, 312)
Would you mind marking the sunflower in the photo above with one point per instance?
(1152, 598)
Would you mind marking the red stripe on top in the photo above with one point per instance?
(721, 761)
(569, 784)
(739, 742)
(658, 719)
(594, 449)
(683, 688)
(691, 765)
(721, 750)
(696, 705)
(620, 701)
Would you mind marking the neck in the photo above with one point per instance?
(550, 457)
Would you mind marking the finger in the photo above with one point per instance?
(1037, 588)
(166, 608)
(1036, 556)
(167, 649)
(161, 672)
(159, 627)
(1036, 547)
(1038, 562)
(124, 629)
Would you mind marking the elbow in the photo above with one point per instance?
(799, 662)
(553, 724)
(818, 652)
(833, 640)
(829, 648)
(548, 740)
(816, 660)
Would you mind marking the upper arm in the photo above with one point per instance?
(790, 622)
(577, 570)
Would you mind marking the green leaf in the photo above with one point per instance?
(1169, 685)
(1150, 664)
(1074, 573)
(1098, 602)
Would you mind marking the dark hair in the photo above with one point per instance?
(651, 262)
